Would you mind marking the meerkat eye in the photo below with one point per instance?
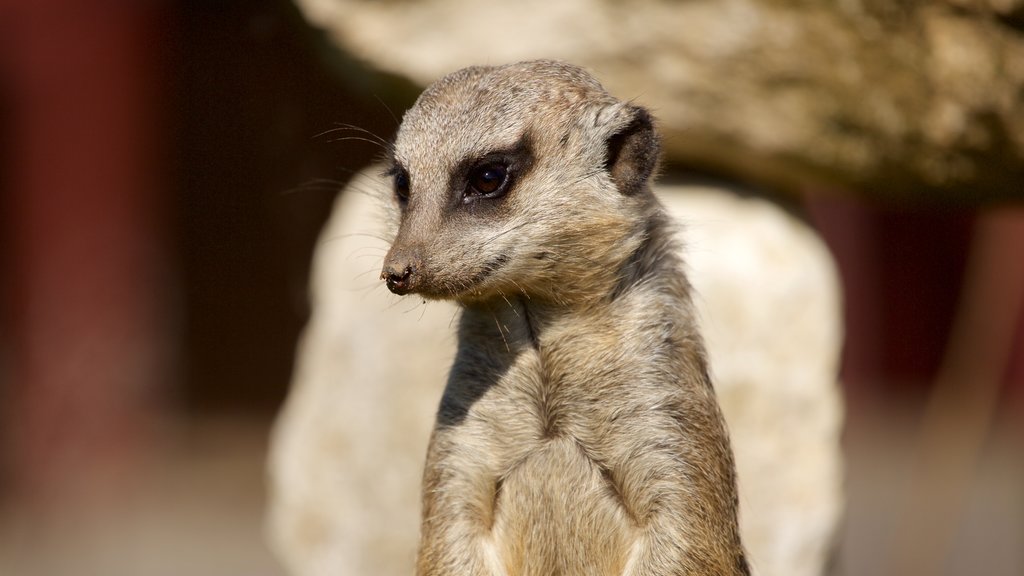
(402, 186)
(487, 181)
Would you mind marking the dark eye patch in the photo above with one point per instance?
(399, 182)
(494, 174)
(402, 186)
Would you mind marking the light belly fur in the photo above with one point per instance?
(557, 514)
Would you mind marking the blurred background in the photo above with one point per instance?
(164, 179)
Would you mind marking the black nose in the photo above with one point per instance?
(397, 282)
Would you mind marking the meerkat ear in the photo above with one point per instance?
(632, 151)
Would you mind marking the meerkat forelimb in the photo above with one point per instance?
(578, 433)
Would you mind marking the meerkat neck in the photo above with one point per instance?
(653, 268)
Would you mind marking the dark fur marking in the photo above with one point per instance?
(549, 418)
(498, 484)
(633, 153)
(647, 260)
(616, 491)
(531, 329)
(519, 159)
(488, 268)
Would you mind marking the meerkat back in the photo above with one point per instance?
(578, 433)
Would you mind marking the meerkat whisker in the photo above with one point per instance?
(497, 325)
(342, 127)
(355, 139)
(505, 298)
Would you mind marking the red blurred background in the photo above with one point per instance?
(162, 190)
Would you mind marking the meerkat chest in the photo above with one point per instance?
(537, 430)
(555, 513)
(548, 505)
(579, 376)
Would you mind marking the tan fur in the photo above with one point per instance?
(578, 433)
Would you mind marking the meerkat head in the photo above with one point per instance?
(520, 179)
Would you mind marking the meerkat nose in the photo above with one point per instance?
(397, 282)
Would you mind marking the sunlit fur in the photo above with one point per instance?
(578, 433)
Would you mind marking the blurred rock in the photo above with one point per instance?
(918, 100)
(348, 448)
(769, 298)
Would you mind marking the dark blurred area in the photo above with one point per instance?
(163, 186)
(180, 139)
(252, 91)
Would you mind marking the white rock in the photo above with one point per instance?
(348, 448)
(768, 293)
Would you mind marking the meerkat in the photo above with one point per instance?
(578, 433)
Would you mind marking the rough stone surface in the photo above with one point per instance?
(348, 448)
(917, 99)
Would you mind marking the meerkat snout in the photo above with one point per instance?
(400, 270)
(399, 282)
